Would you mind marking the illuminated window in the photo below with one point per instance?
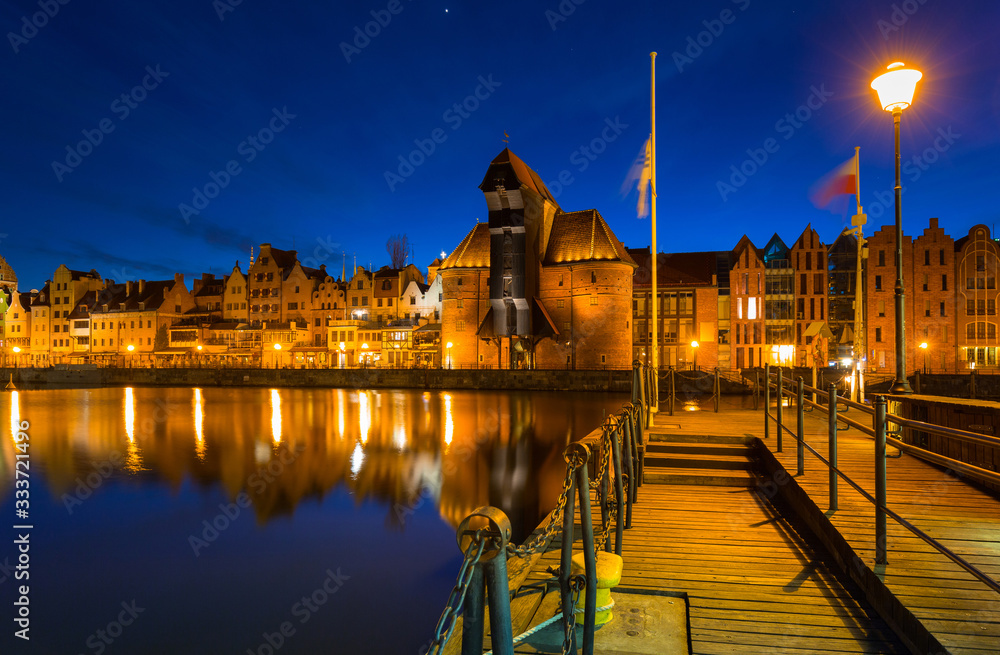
(751, 308)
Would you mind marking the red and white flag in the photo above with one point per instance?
(841, 180)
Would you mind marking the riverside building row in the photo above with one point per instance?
(533, 287)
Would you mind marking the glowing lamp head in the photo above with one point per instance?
(364, 346)
(924, 345)
(130, 348)
(895, 88)
(277, 346)
(199, 348)
(343, 346)
(17, 349)
(448, 345)
(694, 344)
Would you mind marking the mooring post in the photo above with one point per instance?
(880, 529)
(801, 451)
(501, 629)
(781, 385)
(832, 455)
(619, 491)
(717, 389)
(566, 559)
(629, 469)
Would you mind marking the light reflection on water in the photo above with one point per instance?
(409, 464)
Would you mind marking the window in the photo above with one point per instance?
(927, 258)
(878, 282)
(560, 279)
(361, 284)
(881, 308)
(881, 258)
(991, 307)
(379, 302)
(296, 289)
(604, 359)
(269, 277)
(459, 303)
(593, 299)
(354, 301)
(944, 281)
(364, 301)
(970, 307)
(927, 303)
(460, 325)
(562, 303)
(459, 282)
(132, 325)
(941, 253)
(388, 302)
(292, 306)
(317, 322)
(593, 280)
(925, 275)
(942, 309)
(878, 334)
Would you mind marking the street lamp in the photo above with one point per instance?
(923, 347)
(448, 347)
(277, 348)
(694, 349)
(895, 93)
(16, 350)
(130, 348)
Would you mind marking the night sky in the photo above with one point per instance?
(294, 120)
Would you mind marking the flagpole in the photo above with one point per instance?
(860, 343)
(654, 406)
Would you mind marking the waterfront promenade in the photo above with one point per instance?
(759, 580)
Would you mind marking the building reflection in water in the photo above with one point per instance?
(458, 450)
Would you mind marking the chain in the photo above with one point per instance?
(577, 583)
(457, 598)
(539, 543)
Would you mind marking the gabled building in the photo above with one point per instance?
(66, 289)
(264, 281)
(422, 302)
(746, 309)
(977, 262)
(17, 327)
(933, 301)
(779, 304)
(359, 295)
(812, 334)
(235, 293)
(41, 314)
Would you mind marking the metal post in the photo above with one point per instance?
(629, 468)
(589, 560)
(501, 629)
(673, 390)
(716, 389)
(756, 389)
(767, 400)
(566, 559)
(474, 608)
(832, 455)
(619, 491)
(636, 446)
(801, 449)
(781, 384)
(880, 530)
(603, 487)
(900, 385)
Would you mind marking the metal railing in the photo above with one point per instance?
(614, 452)
(880, 432)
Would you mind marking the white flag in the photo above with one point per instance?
(639, 175)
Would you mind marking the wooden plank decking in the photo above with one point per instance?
(961, 612)
(755, 583)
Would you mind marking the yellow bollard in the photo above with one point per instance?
(609, 574)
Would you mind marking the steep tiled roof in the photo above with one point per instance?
(583, 236)
(42, 299)
(84, 305)
(524, 174)
(473, 251)
(284, 258)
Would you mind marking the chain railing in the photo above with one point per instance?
(614, 451)
(881, 433)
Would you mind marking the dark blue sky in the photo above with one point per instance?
(554, 79)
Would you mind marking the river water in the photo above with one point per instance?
(254, 521)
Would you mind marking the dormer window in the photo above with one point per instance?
(142, 306)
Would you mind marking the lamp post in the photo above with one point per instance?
(895, 93)
(277, 352)
(448, 348)
(923, 347)
(694, 349)
(130, 348)
(16, 350)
